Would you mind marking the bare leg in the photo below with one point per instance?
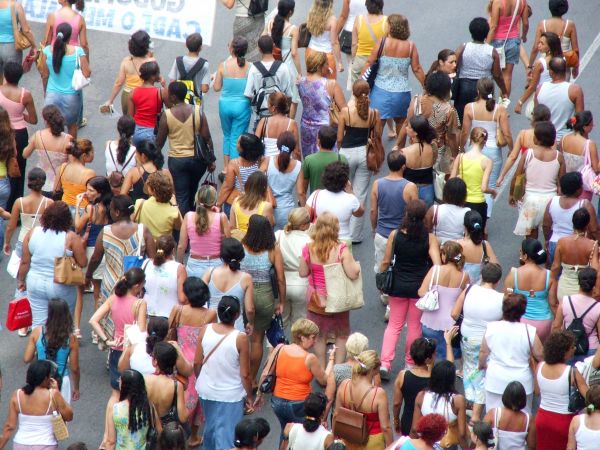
(507, 75)
(293, 110)
(256, 353)
(78, 307)
(399, 122)
(320, 349)
(340, 352)
(73, 130)
(392, 133)
(477, 409)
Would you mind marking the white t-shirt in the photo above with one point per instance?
(509, 355)
(482, 305)
(340, 204)
(448, 222)
(161, 287)
(282, 77)
(110, 156)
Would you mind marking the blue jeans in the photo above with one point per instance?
(495, 154)
(4, 195)
(197, 267)
(220, 421)
(68, 104)
(287, 411)
(142, 134)
(426, 193)
(511, 49)
(440, 347)
(552, 252)
(41, 289)
(113, 368)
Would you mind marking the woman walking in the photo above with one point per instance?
(577, 147)
(322, 26)
(476, 250)
(149, 160)
(120, 154)
(9, 52)
(270, 128)
(73, 176)
(247, 26)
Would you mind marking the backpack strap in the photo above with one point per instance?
(183, 75)
(262, 69)
(196, 68)
(586, 311)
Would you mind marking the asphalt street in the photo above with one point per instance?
(434, 25)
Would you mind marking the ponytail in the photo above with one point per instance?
(59, 49)
(485, 90)
(239, 45)
(286, 143)
(126, 128)
(128, 280)
(164, 249)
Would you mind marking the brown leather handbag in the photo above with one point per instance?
(67, 271)
(348, 423)
(375, 149)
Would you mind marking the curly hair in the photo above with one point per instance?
(315, 61)
(557, 346)
(360, 90)
(54, 119)
(133, 389)
(139, 43)
(318, 15)
(7, 136)
(161, 186)
(513, 307)
(57, 217)
(336, 176)
(260, 236)
(453, 252)
(399, 27)
(325, 235)
(431, 428)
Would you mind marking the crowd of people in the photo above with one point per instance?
(191, 271)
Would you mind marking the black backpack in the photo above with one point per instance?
(194, 96)
(268, 86)
(256, 7)
(577, 328)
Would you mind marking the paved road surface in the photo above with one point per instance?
(444, 24)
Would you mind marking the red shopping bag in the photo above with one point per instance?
(19, 314)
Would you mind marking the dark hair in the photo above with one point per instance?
(581, 219)
(158, 327)
(165, 356)
(245, 434)
(396, 160)
(338, 445)
(541, 113)
(148, 70)
(327, 137)
(421, 126)
(178, 89)
(557, 345)
(455, 192)
(57, 217)
(251, 147)
(374, 6)
(150, 151)
(265, 44)
(194, 42)
(262, 427)
(443, 379)
(37, 372)
(485, 91)
(256, 190)
(77, 446)
(571, 183)
(122, 205)
(288, 140)
(164, 249)
(139, 43)
(578, 121)
(431, 428)
(474, 225)
(514, 396)
(545, 133)
(554, 43)
(172, 437)
(587, 279)
(558, 8)
(284, 9)
(513, 307)
(484, 433)
(479, 29)
(239, 45)
(491, 273)
(592, 399)
(126, 128)
(36, 178)
(54, 118)
(335, 176)
(59, 48)
(228, 309)
(129, 280)
(314, 407)
(59, 326)
(133, 389)
(13, 71)
(438, 84)
(279, 102)
(196, 291)
(232, 253)
(79, 4)
(558, 65)
(260, 236)
(534, 250)
(414, 214)
(421, 350)
(443, 55)
(79, 148)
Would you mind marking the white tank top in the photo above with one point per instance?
(300, 438)
(510, 440)
(161, 288)
(562, 219)
(271, 148)
(545, 74)
(321, 43)
(554, 393)
(139, 359)
(357, 8)
(489, 125)
(586, 438)
(433, 403)
(34, 430)
(556, 97)
(448, 222)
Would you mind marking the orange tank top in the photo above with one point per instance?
(293, 377)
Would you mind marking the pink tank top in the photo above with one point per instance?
(121, 312)
(75, 27)
(504, 29)
(541, 176)
(207, 244)
(14, 110)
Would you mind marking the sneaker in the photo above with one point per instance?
(77, 333)
(386, 316)
(384, 373)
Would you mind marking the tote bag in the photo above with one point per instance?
(343, 294)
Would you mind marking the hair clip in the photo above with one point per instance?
(227, 308)
(591, 408)
(476, 226)
(458, 257)
(131, 207)
(360, 363)
(160, 252)
(153, 333)
(310, 418)
(541, 252)
(573, 120)
(490, 96)
(285, 149)
(60, 35)
(233, 260)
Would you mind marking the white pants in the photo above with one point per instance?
(295, 304)
(360, 177)
(380, 243)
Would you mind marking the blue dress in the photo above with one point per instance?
(283, 186)
(391, 93)
(234, 112)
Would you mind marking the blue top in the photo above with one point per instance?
(62, 355)
(390, 205)
(257, 266)
(233, 88)
(408, 445)
(95, 229)
(6, 31)
(393, 74)
(61, 82)
(44, 247)
(538, 307)
(283, 184)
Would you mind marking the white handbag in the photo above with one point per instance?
(500, 50)
(13, 264)
(343, 294)
(79, 80)
(430, 301)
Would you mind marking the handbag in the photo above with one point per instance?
(500, 50)
(57, 194)
(576, 400)
(520, 179)
(13, 265)
(371, 73)
(451, 438)
(131, 331)
(276, 333)
(172, 333)
(67, 271)
(375, 149)
(116, 177)
(303, 36)
(588, 175)
(202, 151)
(384, 281)
(430, 301)
(21, 41)
(343, 294)
(348, 423)
(345, 39)
(209, 180)
(571, 58)
(59, 427)
(268, 384)
(19, 314)
(79, 80)
(136, 260)
(273, 280)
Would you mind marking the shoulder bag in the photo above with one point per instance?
(343, 294)
(520, 179)
(371, 73)
(576, 400)
(313, 207)
(202, 151)
(21, 41)
(303, 36)
(334, 109)
(131, 331)
(384, 281)
(59, 427)
(67, 271)
(135, 260)
(57, 194)
(79, 80)
(348, 423)
(267, 386)
(276, 332)
(570, 56)
(172, 333)
(430, 301)
(375, 149)
(451, 438)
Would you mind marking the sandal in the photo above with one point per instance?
(77, 333)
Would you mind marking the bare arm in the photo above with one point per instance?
(434, 250)
(218, 82)
(510, 160)
(163, 131)
(343, 16)
(484, 352)
(466, 126)
(351, 267)
(374, 209)
(415, 65)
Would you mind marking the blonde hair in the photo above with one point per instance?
(356, 344)
(206, 197)
(296, 218)
(479, 136)
(318, 15)
(365, 362)
(325, 235)
(454, 254)
(303, 327)
(314, 61)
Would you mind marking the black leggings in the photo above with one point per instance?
(17, 184)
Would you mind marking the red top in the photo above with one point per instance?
(148, 105)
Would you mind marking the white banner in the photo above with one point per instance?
(172, 20)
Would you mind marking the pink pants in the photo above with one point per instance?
(543, 327)
(402, 310)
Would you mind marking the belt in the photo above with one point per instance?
(205, 258)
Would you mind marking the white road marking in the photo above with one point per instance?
(589, 54)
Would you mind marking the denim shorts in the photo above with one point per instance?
(142, 134)
(68, 104)
(511, 49)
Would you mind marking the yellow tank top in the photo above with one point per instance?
(472, 174)
(133, 81)
(3, 169)
(242, 218)
(365, 39)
